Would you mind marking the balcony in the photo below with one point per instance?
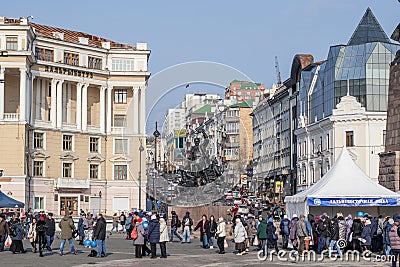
(45, 124)
(72, 183)
(232, 144)
(93, 128)
(11, 117)
(68, 126)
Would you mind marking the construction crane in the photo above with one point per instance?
(278, 73)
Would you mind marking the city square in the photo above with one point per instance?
(199, 133)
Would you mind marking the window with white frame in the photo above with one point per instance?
(94, 171)
(232, 127)
(123, 64)
(67, 142)
(120, 146)
(12, 43)
(38, 203)
(38, 168)
(67, 170)
(38, 140)
(120, 96)
(119, 120)
(93, 144)
(120, 172)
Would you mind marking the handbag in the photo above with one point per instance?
(274, 236)
(256, 242)
(8, 242)
(225, 244)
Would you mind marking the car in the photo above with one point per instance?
(243, 209)
(237, 200)
(236, 194)
(251, 199)
(228, 192)
(229, 197)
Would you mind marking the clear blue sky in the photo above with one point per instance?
(246, 35)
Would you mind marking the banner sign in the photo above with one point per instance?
(354, 202)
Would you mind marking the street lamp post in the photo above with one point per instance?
(141, 149)
(156, 134)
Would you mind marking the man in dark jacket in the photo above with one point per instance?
(323, 233)
(50, 230)
(153, 235)
(175, 224)
(100, 235)
(334, 237)
(4, 230)
(41, 233)
(284, 226)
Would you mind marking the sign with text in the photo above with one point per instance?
(353, 202)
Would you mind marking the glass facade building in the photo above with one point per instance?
(360, 68)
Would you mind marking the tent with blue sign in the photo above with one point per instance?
(344, 188)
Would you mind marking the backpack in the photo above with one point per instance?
(134, 234)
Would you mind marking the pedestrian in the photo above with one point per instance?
(202, 226)
(67, 227)
(115, 223)
(309, 226)
(394, 238)
(211, 229)
(221, 233)
(187, 224)
(323, 233)
(175, 225)
(262, 235)
(301, 233)
(272, 237)
(17, 234)
(139, 241)
(4, 231)
(293, 229)
(240, 237)
(285, 231)
(379, 235)
(164, 238)
(334, 237)
(251, 228)
(153, 235)
(28, 222)
(100, 235)
(122, 219)
(387, 226)
(128, 226)
(366, 235)
(32, 234)
(356, 231)
(50, 230)
(89, 226)
(41, 233)
(81, 228)
(342, 227)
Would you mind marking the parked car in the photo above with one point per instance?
(237, 200)
(229, 196)
(243, 209)
(251, 199)
(236, 194)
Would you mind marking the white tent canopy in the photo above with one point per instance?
(345, 183)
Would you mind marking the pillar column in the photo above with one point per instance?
(53, 104)
(30, 98)
(69, 103)
(102, 108)
(43, 84)
(2, 70)
(109, 110)
(135, 111)
(142, 112)
(59, 103)
(84, 107)
(22, 94)
(37, 100)
(79, 106)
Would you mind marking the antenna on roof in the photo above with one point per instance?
(278, 73)
(30, 17)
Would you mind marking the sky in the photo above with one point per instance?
(246, 35)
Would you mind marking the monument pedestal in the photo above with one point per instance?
(389, 170)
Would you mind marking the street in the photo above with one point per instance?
(120, 252)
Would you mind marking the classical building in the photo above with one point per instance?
(239, 91)
(72, 116)
(343, 101)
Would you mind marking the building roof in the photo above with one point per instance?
(368, 30)
(244, 104)
(203, 110)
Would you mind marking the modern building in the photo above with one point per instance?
(343, 101)
(72, 117)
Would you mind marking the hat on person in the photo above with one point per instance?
(367, 222)
(149, 213)
(50, 214)
(139, 220)
(270, 220)
(237, 220)
(339, 214)
(397, 220)
(220, 219)
(153, 217)
(285, 216)
(294, 215)
(349, 217)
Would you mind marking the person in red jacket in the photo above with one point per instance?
(203, 235)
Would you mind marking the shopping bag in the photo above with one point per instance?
(290, 245)
(256, 242)
(225, 244)
(8, 242)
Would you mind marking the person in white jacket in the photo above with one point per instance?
(240, 237)
(221, 233)
(164, 238)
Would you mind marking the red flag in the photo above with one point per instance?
(187, 85)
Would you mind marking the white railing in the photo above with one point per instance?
(11, 116)
(72, 183)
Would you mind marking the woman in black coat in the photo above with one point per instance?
(271, 235)
(356, 231)
(16, 228)
(153, 235)
(211, 229)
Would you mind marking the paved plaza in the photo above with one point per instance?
(120, 253)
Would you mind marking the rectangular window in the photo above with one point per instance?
(120, 96)
(44, 54)
(313, 146)
(38, 140)
(94, 171)
(123, 65)
(320, 143)
(119, 120)
(67, 142)
(93, 144)
(67, 170)
(12, 43)
(38, 168)
(120, 172)
(349, 138)
(94, 63)
(71, 59)
(121, 146)
(38, 204)
(327, 142)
